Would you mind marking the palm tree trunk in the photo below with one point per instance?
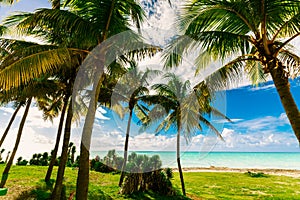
(9, 124)
(59, 131)
(56, 193)
(84, 164)
(283, 88)
(18, 139)
(82, 184)
(178, 162)
(125, 149)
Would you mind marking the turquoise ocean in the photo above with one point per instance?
(259, 160)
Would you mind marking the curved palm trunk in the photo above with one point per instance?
(59, 131)
(125, 149)
(84, 161)
(82, 184)
(178, 162)
(9, 124)
(56, 193)
(18, 139)
(283, 88)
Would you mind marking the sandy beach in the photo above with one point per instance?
(278, 172)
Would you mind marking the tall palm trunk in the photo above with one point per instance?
(82, 185)
(283, 88)
(59, 132)
(178, 161)
(84, 159)
(10, 123)
(18, 139)
(56, 193)
(125, 148)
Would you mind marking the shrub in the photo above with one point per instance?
(256, 175)
(146, 174)
(110, 163)
(39, 159)
(20, 161)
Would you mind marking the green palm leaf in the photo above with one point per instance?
(32, 66)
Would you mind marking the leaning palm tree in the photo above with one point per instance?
(184, 109)
(37, 89)
(11, 159)
(63, 75)
(58, 136)
(255, 35)
(130, 90)
(19, 105)
(104, 20)
(86, 28)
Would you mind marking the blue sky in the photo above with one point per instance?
(260, 123)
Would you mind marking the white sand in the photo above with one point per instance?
(278, 172)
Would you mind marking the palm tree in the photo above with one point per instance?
(10, 161)
(185, 109)
(58, 136)
(37, 58)
(256, 35)
(10, 123)
(116, 14)
(57, 191)
(131, 89)
(37, 89)
(86, 29)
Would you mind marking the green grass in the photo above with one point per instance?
(26, 182)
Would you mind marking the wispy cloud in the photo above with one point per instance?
(265, 87)
(264, 123)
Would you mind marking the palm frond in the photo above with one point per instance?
(291, 61)
(176, 49)
(234, 16)
(8, 1)
(32, 66)
(62, 21)
(289, 28)
(211, 127)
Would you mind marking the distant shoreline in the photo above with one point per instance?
(279, 172)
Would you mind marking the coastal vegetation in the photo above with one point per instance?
(199, 185)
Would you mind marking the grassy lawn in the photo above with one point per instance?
(26, 182)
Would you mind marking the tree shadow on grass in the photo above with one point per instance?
(149, 195)
(41, 192)
(37, 193)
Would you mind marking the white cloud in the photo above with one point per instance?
(257, 141)
(268, 122)
(266, 87)
(223, 121)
